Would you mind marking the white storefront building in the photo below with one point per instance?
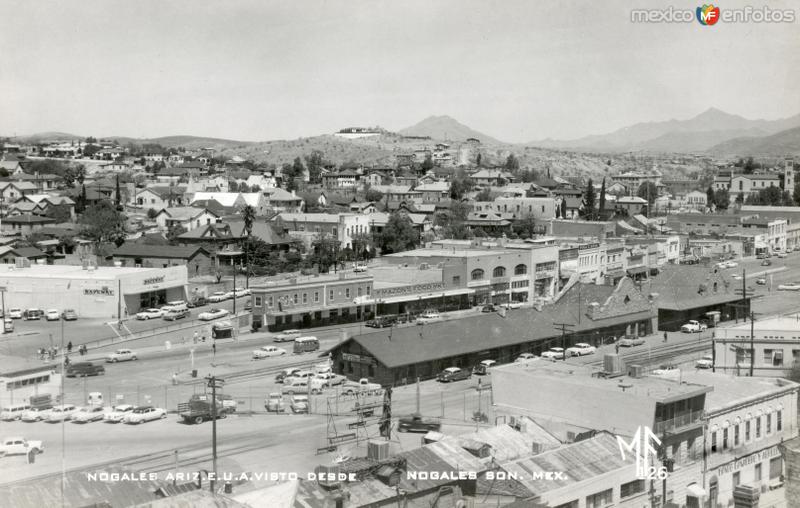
(93, 292)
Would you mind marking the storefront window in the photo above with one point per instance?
(316, 296)
(294, 298)
(305, 297)
(270, 301)
(477, 274)
(347, 293)
(330, 295)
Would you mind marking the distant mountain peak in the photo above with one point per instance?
(445, 127)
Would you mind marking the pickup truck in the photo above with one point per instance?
(19, 446)
(274, 403)
(693, 327)
(198, 411)
(418, 423)
(361, 386)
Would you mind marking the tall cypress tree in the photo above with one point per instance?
(601, 212)
(588, 201)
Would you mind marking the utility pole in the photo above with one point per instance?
(214, 383)
(564, 328)
(752, 342)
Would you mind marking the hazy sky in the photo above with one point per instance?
(258, 70)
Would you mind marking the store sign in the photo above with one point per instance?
(154, 280)
(588, 246)
(750, 459)
(409, 290)
(348, 357)
(103, 291)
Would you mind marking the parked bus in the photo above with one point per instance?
(304, 344)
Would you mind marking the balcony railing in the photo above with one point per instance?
(680, 420)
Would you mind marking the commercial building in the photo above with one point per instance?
(319, 300)
(96, 292)
(395, 356)
(17, 385)
(776, 342)
(196, 259)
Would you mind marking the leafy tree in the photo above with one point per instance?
(460, 185)
(588, 201)
(80, 202)
(478, 160)
(249, 217)
(529, 175)
(526, 227)
(796, 193)
(103, 223)
(563, 208)
(484, 195)
(314, 164)
(749, 166)
(118, 195)
(398, 235)
(233, 186)
(769, 196)
(427, 164)
(710, 196)
(602, 210)
(151, 213)
(289, 176)
(512, 163)
(174, 232)
(324, 252)
(649, 192)
(60, 213)
(722, 199)
(373, 195)
(89, 150)
(298, 168)
(69, 177)
(740, 198)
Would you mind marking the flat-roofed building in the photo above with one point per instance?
(776, 342)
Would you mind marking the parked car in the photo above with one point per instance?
(706, 362)
(61, 413)
(298, 375)
(197, 301)
(32, 314)
(298, 403)
(418, 423)
(274, 403)
(581, 349)
(240, 292)
(761, 281)
(144, 414)
(218, 296)
(87, 414)
(489, 308)
(330, 379)
(212, 314)
(286, 373)
(631, 340)
(151, 313)
(554, 353)
(694, 327)
(782, 255)
(790, 286)
(117, 413)
(451, 374)
(512, 305)
(731, 264)
(483, 367)
(174, 314)
(766, 262)
(15, 313)
(121, 355)
(19, 446)
(382, 322)
(83, 369)
(268, 351)
(429, 316)
(287, 336)
(524, 357)
(667, 370)
(69, 315)
(52, 315)
(175, 304)
(360, 268)
(36, 414)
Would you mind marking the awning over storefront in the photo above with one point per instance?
(637, 270)
(411, 298)
(695, 490)
(616, 273)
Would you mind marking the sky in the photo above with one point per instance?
(260, 70)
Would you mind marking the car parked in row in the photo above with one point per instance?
(175, 314)
(554, 353)
(61, 413)
(483, 367)
(218, 296)
(197, 301)
(512, 305)
(525, 357)
(789, 286)
(32, 314)
(15, 313)
(144, 414)
(117, 413)
(706, 362)
(451, 374)
(429, 316)
(36, 414)
(87, 414)
(19, 446)
(694, 326)
(69, 315)
(418, 423)
(287, 336)
(581, 349)
(631, 341)
(299, 404)
(151, 313)
(52, 315)
(761, 281)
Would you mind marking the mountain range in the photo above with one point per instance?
(710, 131)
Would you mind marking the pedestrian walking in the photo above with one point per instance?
(175, 378)
(214, 348)
(69, 347)
(195, 336)
(616, 347)
(665, 336)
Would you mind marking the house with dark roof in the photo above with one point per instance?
(684, 292)
(24, 224)
(198, 260)
(8, 255)
(160, 196)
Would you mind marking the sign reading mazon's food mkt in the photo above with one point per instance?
(409, 290)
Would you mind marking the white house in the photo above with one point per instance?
(187, 217)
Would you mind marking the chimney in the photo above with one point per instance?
(593, 309)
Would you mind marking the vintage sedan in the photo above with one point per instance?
(15, 313)
(218, 296)
(268, 351)
(61, 413)
(418, 423)
(706, 362)
(451, 374)
(69, 315)
(790, 286)
(144, 414)
(52, 315)
(149, 314)
(299, 404)
(581, 349)
(631, 340)
(212, 314)
(88, 414)
(287, 336)
(121, 355)
(526, 357)
(35, 414)
(554, 353)
(512, 305)
(117, 413)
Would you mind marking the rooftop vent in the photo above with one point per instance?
(424, 266)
